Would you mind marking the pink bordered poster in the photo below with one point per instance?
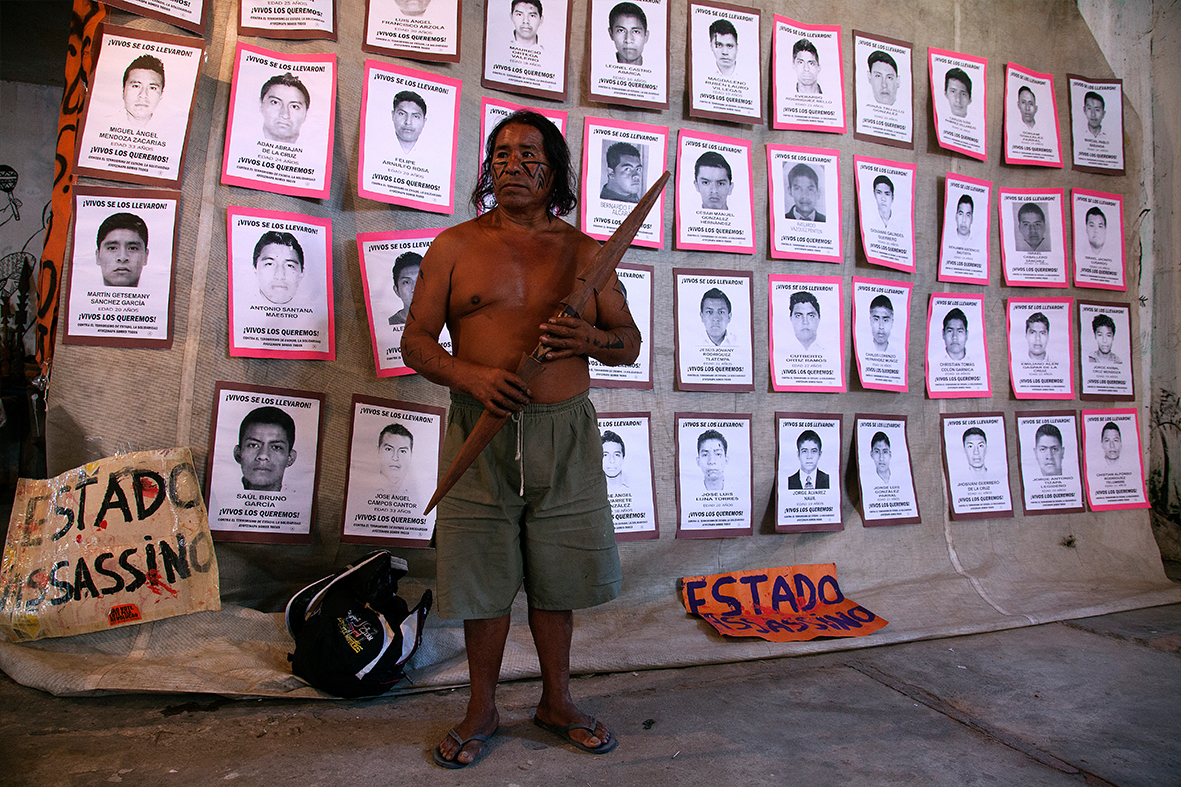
(187, 14)
(715, 193)
(630, 471)
(409, 129)
(417, 29)
(713, 318)
(883, 90)
(526, 47)
(881, 332)
(280, 271)
(390, 262)
(636, 282)
(807, 77)
(807, 320)
(885, 211)
(724, 70)
(1112, 460)
(967, 214)
(628, 52)
(957, 347)
(494, 110)
(1031, 118)
(394, 453)
(715, 482)
(1041, 347)
(1033, 237)
(805, 203)
(1105, 351)
(1051, 478)
(1099, 257)
(135, 122)
(279, 132)
(620, 162)
(976, 464)
(959, 99)
(808, 472)
(263, 464)
(294, 19)
(1097, 124)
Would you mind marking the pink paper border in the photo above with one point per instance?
(775, 124)
(909, 287)
(1071, 350)
(987, 232)
(552, 114)
(717, 532)
(279, 188)
(1123, 252)
(658, 208)
(914, 176)
(684, 133)
(426, 76)
(977, 394)
(370, 237)
(837, 258)
(839, 281)
(1005, 127)
(983, 88)
(1139, 455)
(298, 218)
(1067, 251)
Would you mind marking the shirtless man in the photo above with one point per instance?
(495, 303)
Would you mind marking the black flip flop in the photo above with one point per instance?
(443, 762)
(564, 732)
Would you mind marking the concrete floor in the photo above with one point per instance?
(1092, 701)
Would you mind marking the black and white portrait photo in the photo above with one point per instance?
(724, 72)
(629, 52)
(714, 323)
(1041, 354)
(1097, 124)
(808, 472)
(967, 215)
(807, 77)
(957, 347)
(881, 332)
(959, 100)
(805, 203)
(620, 162)
(975, 460)
(884, 470)
(1099, 255)
(1051, 475)
(417, 29)
(883, 90)
(525, 47)
(885, 211)
(714, 481)
(627, 464)
(1033, 237)
(1113, 464)
(807, 333)
(1105, 350)
(1031, 118)
(714, 193)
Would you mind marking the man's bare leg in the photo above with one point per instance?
(552, 631)
(484, 640)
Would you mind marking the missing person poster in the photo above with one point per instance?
(1105, 350)
(1031, 118)
(494, 110)
(296, 19)
(188, 14)
(264, 463)
(725, 75)
(1097, 133)
(279, 133)
(881, 332)
(808, 473)
(525, 47)
(884, 471)
(975, 459)
(390, 262)
(714, 481)
(1112, 460)
(805, 203)
(394, 454)
(1099, 259)
(409, 128)
(1033, 237)
(636, 283)
(807, 77)
(119, 293)
(885, 211)
(959, 99)
(715, 193)
(629, 52)
(627, 464)
(620, 162)
(1041, 358)
(963, 248)
(280, 285)
(807, 316)
(883, 90)
(427, 30)
(957, 347)
(1051, 480)
(714, 323)
(135, 123)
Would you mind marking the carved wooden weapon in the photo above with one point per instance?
(592, 278)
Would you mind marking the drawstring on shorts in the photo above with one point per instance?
(520, 442)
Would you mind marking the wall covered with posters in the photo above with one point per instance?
(888, 314)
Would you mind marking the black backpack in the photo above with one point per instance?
(352, 633)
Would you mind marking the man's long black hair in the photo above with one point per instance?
(563, 198)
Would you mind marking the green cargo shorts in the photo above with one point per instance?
(557, 537)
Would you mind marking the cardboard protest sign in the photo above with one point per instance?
(134, 548)
(788, 604)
